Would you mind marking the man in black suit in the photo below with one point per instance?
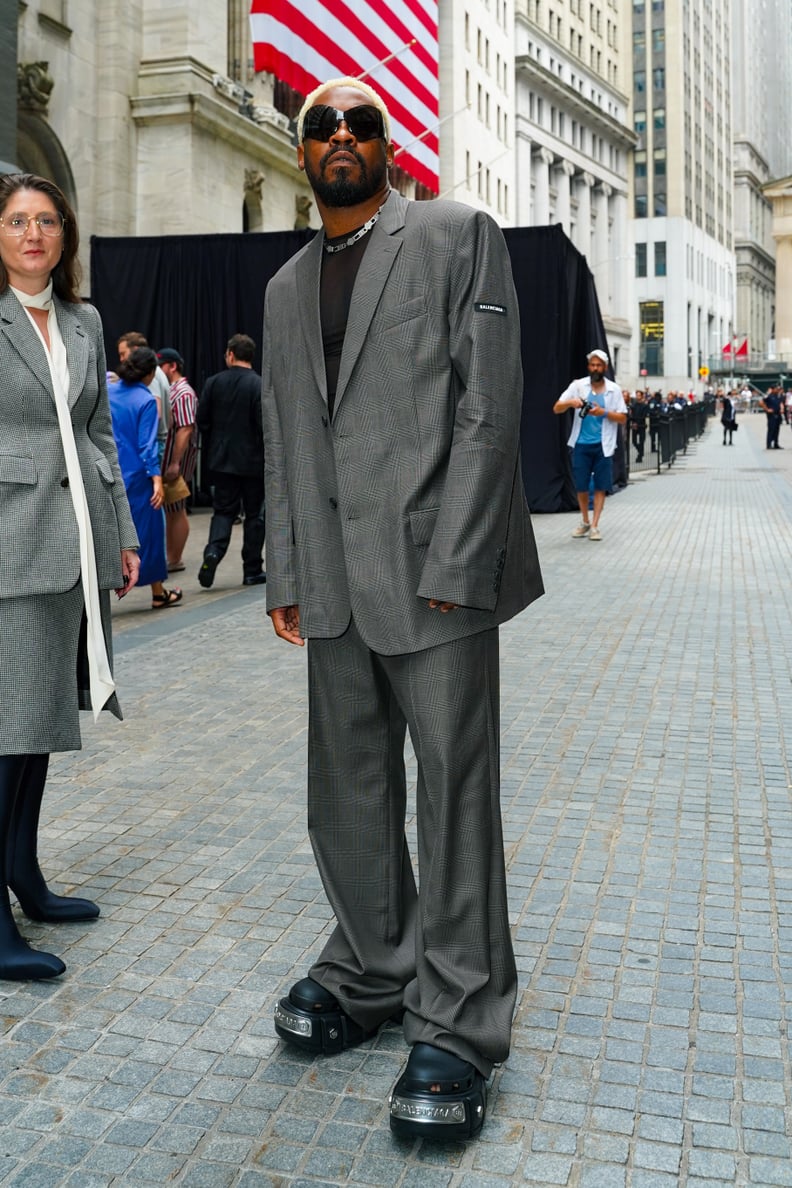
(229, 418)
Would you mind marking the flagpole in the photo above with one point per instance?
(384, 61)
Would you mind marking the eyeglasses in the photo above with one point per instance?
(364, 122)
(17, 224)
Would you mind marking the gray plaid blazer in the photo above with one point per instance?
(414, 490)
(39, 542)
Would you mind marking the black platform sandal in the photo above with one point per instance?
(311, 1018)
(438, 1096)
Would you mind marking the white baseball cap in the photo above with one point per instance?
(598, 354)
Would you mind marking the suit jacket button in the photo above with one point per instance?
(333, 503)
(64, 482)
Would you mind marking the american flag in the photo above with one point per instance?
(307, 43)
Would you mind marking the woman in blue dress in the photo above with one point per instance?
(135, 421)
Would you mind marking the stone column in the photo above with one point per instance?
(620, 264)
(602, 251)
(563, 172)
(524, 148)
(584, 183)
(181, 29)
(541, 162)
(780, 194)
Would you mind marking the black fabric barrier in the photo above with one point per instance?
(193, 292)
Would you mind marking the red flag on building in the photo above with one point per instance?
(742, 353)
(727, 350)
(304, 44)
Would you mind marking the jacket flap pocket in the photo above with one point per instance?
(422, 525)
(16, 469)
(405, 312)
(103, 466)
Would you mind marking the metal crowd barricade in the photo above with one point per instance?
(667, 436)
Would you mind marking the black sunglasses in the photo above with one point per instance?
(364, 122)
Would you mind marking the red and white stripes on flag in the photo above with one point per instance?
(307, 42)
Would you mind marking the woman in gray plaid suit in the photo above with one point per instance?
(66, 539)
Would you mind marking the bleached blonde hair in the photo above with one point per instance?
(376, 100)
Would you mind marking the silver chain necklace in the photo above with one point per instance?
(364, 230)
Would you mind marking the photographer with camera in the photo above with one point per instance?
(600, 410)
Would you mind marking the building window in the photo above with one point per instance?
(658, 78)
(639, 81)
(660, 258)
(640, 164)
(659, 119)
(658, 41)
(660, 163)
(639, 122)
(652, 333)
(640, 259)
(660, 205)
(640, 206)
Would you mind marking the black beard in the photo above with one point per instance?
(343, 191)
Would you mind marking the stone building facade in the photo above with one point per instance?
(572, 145)
(149, 116)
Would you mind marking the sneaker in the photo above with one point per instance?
(595, 534)
(582, 529)
(206, 573)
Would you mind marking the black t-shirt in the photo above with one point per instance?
(339, 272)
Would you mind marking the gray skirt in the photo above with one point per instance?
(44, 671)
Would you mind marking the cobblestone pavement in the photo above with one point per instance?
(646, 796)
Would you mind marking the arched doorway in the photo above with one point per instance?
(39, 151)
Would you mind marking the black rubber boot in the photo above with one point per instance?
(311, 1018)
(438, 1096)
(24, 875)
(18, 962)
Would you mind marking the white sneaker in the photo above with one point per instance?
(595, 534)
(582, 529)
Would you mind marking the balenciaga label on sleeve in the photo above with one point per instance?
(490, 307)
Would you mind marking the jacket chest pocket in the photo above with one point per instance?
(17, 469)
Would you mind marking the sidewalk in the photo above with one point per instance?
(646, 797)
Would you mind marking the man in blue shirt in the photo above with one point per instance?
(600, 409)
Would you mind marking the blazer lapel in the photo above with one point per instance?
(373, 273)
(20, 333)
(309, 268)
(78, 350)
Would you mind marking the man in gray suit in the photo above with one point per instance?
(398, 541)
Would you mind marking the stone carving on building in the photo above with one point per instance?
(303, 206)
(254, 183)
(34, 86)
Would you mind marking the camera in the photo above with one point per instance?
(585, 409)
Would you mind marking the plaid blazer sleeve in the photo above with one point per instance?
(471, 530)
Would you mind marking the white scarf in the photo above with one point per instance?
(101, 679)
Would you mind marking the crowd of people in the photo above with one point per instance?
(156, 418)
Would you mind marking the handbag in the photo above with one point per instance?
(176, 491)
(734, 426)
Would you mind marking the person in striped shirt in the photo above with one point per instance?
(181, 451)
